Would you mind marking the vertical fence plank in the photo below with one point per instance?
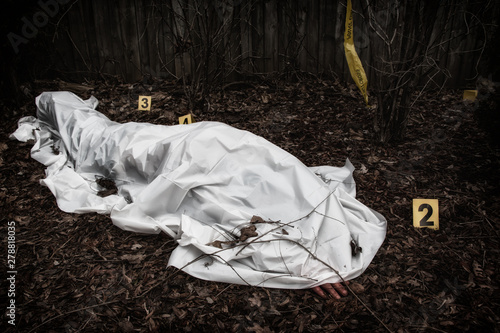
(328, 38)
(130, 40)
(301, 20)
(90, 46)
(235, 44)
(151, 25)
(115, 22)
(286, 34)
(179, 27)
(164, 38)
(246, 35)
(104, 50)
(312, 36)
(115, 39)
(323, 42)
(141, 25)
(271, 35)
(258, 35)
(339, 57)
(80, 39)
(66, 50)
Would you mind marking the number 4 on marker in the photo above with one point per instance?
(426, 213)
(187, 119)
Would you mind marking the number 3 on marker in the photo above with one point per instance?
(144, 103)
(426, 213)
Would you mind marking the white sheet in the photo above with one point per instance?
(202, 183)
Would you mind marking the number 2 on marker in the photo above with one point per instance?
(426, 213)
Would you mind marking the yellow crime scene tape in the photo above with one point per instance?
(355, 67)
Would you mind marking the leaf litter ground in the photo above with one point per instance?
(79, 273)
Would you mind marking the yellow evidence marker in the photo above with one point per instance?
(144, 103)
(470, 95)
(187, 119)
(426, 213)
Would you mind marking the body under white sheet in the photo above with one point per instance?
(202, 183)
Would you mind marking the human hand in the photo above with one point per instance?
(334, 290)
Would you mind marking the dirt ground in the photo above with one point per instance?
(79, 273)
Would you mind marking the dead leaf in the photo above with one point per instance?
(216, 243)
(180, 313)
(257, 219)
(357, 287)
(265, 98)
(248, 232)
(126, 326)
(255, 300)
(136, 246)
(258, 329)
(133, 258)
(477, 269)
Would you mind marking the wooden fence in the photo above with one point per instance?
(228, 39)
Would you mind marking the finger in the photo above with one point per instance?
(319, 292)
(330, 289)
(340, 288)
